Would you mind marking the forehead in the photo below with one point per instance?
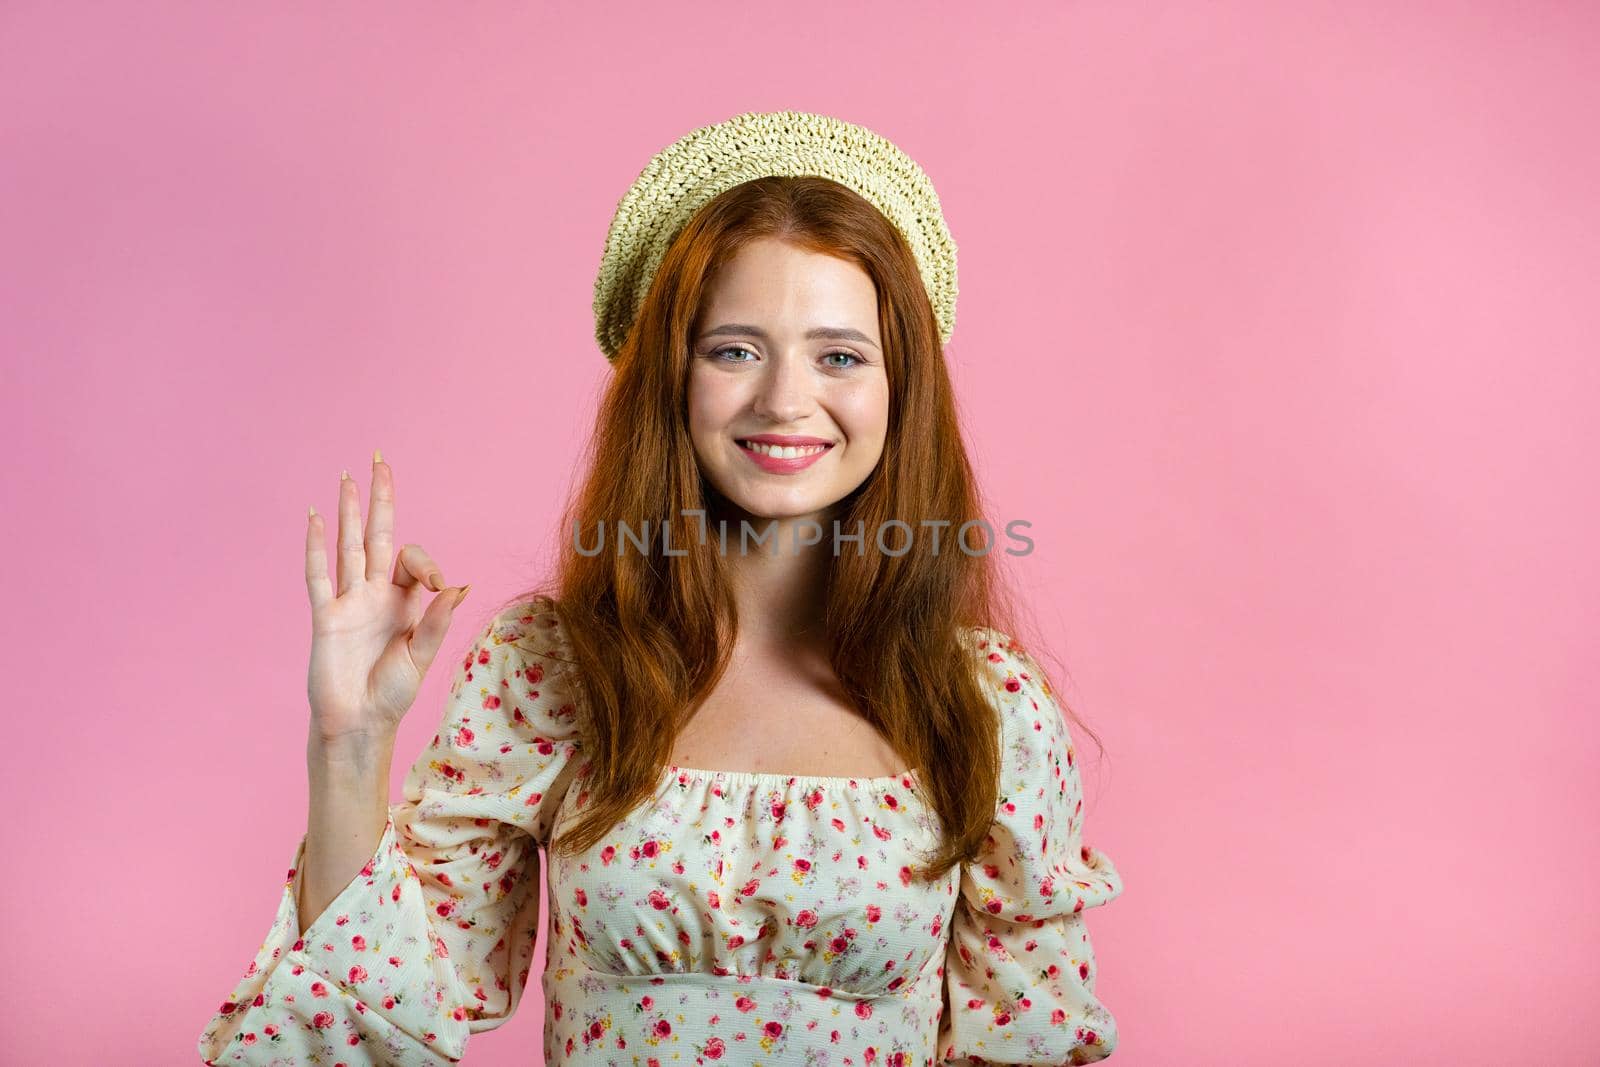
(777, 280)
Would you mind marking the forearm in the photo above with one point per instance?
(349, 806)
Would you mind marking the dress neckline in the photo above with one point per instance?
(782, 778)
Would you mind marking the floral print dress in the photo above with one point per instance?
(738, 918)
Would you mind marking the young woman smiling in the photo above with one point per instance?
(797, 805)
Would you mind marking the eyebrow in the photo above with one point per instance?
(831, 333)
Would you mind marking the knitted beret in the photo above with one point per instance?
(687, 174)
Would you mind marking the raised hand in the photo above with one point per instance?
(374, 637)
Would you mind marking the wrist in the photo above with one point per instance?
(353, 751)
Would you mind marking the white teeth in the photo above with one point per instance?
(784, 451)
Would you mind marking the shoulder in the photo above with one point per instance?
(532, 626)
(526, 631)
(1001, 661)
(520, 663)
(1038, 752)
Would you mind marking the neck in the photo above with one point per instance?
(780, 588)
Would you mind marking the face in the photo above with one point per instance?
(786, 346)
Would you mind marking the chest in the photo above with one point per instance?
(783, 713)
(766, 876)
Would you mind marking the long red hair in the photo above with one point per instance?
(651, 634)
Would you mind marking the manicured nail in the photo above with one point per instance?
(436, 582)
(464, 591)
(344, 474)
(377, 457)
(311, 512)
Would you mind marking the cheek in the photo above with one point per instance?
(863, 413)
(708, 409)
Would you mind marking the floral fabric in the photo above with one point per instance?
(738, 918)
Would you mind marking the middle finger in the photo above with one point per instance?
(352, 558)
(380, 520)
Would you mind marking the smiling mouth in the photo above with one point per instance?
(783, 451)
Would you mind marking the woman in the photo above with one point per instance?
(772, 572)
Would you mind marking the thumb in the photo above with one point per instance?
(429, 633)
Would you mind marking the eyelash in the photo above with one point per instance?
(836, 352)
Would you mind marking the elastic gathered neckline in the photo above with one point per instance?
(781, 778)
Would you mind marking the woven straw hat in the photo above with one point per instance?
(694, 169)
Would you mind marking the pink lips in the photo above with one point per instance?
(774, 464)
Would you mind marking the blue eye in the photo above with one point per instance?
(725, 353)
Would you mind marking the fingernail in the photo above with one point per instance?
(344, 474)
(463, 594)
(436, 581)
(377, 457)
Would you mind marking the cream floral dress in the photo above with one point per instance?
(739, 918)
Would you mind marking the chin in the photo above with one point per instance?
(762, 511)
(768, 505)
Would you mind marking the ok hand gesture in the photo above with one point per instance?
(374, 637)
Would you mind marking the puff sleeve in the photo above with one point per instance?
(434, 938)
(1019, 969)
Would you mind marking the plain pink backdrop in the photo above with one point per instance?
(1277, 321)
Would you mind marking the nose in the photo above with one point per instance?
(785, 392)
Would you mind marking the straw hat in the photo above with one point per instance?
(684, 176)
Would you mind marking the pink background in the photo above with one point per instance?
(1277, 321)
